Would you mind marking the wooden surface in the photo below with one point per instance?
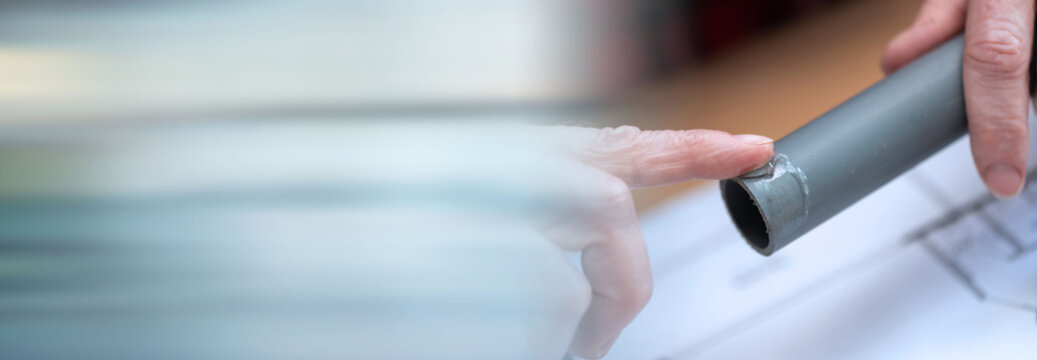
(775, 83)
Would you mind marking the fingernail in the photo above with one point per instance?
(604, 348)
(754, 139)
(1003, 180)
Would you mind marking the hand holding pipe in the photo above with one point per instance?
(832, 162)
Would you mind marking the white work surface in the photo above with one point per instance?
(929, 266)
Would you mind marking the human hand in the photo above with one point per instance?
(998, 41)
(601, 167)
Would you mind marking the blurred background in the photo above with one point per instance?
(248, 178)
(745, 66)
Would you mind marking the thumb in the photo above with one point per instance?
(651, 158)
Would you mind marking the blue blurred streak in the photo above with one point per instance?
(275, 179)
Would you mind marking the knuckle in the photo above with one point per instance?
(635, 297)
(614, 193)
(998, 49)
(622, 135)
(695, 138)
(642, 294)
(564, 236)
(617, 146)
(572, 244)
(999, 131)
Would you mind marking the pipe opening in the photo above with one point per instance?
(746, 214)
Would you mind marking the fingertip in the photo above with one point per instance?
(886, 67)
(715, 154)
(936, 22)
(1004, 181)
(760, 151)
(906, 47)
(604, 348)
(1000, 154)
(586, 347)
(892, 58)
(579, 349)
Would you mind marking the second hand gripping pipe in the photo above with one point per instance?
(837, 159)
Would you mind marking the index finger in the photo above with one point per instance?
(998, 42)
(653, 158)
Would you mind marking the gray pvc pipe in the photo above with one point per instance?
(835, 160)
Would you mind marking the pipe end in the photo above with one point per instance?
(747, 215)
(768, 205)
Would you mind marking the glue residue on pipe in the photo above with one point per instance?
(778, 193)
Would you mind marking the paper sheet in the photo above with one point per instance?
(929, 266)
